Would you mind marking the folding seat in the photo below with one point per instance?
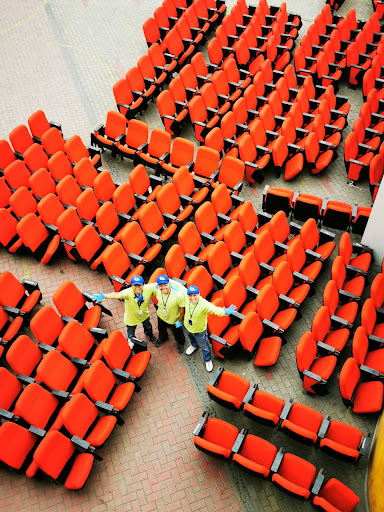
(16, 444)
(54, 454)
(212, 15)
(371, 321)
(152, 221)
(20, 139)
(185, 33)
(175, 47)
(376, 171)
(223, 334)
(254, 454)
(127, 105)
(363, 397)
(231, 174)
(129, 144)
(201, 68)
(207, 221)
(320, 242)
(85, 173)
(336, 495)
(225, 203)
(344, 314)
(75, 341)
(357, 157)
(17, 175)
(47, 325)
(104, 186)
(222, 85)
(105, 135)
(35, 158)
(200, 118)
(288, 158)
(35, 235)
(303, 64)
(290, 285)
(276, 199)
(263, 407)
(53, 370)
(36, 406)
(136, 243)
(189, 186)
(11, 387)
(228, 389)
(8, 232)
(72, 303)
(68, 190)
(118, 355)
(5, 193)
(178, 93)
(151, 32)
(336, 214)
(124, 200)
(75, 150)
(329, 341)
(361, 262)
(159, 145)
(246, 58)
(314, 371)
(206, 164)
(9, 328)
(357, 62)
(215, 437)
(109, 221)
(318, 153)
(22, 202)
(118, 266)
(181, 154)
(50, 208)
(348, 290)
(143, 186)
(39, 124)
(100, 384)
(80, 417)
(293, 474)
(268, 308)
(52, 141)
(161, 18)
(148, 73)
(342, 440)
(377, 291)
(177, 266)
(233, 74)
(370, 361)
(191, 242)
(170, 203)
(42, 184)
(22, 295)
(91, 246)
(138, 85)
(59, 166)
(330, 134)
(7, 155)
(213, 103)
(360, 220)
(301, 422)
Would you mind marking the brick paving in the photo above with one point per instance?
(64, 57)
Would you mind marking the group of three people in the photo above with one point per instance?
(178, 308)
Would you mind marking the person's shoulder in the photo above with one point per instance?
(126, 292)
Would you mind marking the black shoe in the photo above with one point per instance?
(158, 343)
(180, 348)
(152, 339)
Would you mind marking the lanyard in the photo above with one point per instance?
(191, 314)
(137, 301)
(162, 298)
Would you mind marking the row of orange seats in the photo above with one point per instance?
(50, 405)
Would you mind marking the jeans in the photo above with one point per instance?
(147, 329)
(200, 339)
(163, 334)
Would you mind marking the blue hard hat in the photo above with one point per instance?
(193, 290)
(162, 279)
(137, 280)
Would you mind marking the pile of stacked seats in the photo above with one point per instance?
(64, 393)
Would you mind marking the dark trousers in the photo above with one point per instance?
(131, 329)
(163, 334)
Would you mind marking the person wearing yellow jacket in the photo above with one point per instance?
(195, 323)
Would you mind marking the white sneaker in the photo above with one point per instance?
(209, 366)
(190, 350)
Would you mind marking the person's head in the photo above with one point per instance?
(137, 283)
(193, 294)
(163, 284)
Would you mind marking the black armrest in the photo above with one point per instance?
(6, 415)
(122, 375)
(301, 277)
(220, 340)
(249, 394)
(371, 371)
(278, 460)
(239, 440)
(318, 482)
(13, 311)
(37, 431)
(192, 259)
(287, 300)
(324, 427)
(287, 407)
(61, 394)
(81, 363)
(98, 334)
(201, 424)
(208, 238)
(103, 406)
(135, 257)
(25, 379)
(273, 326)
(223, 219)
(154, 238)
(365, 443)
(222, 282)
(30, 285)
(313, 376)
(340, 321)
(252, 291)
(328, 348)
(139, 345)
(45, 347)
(215, 376)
